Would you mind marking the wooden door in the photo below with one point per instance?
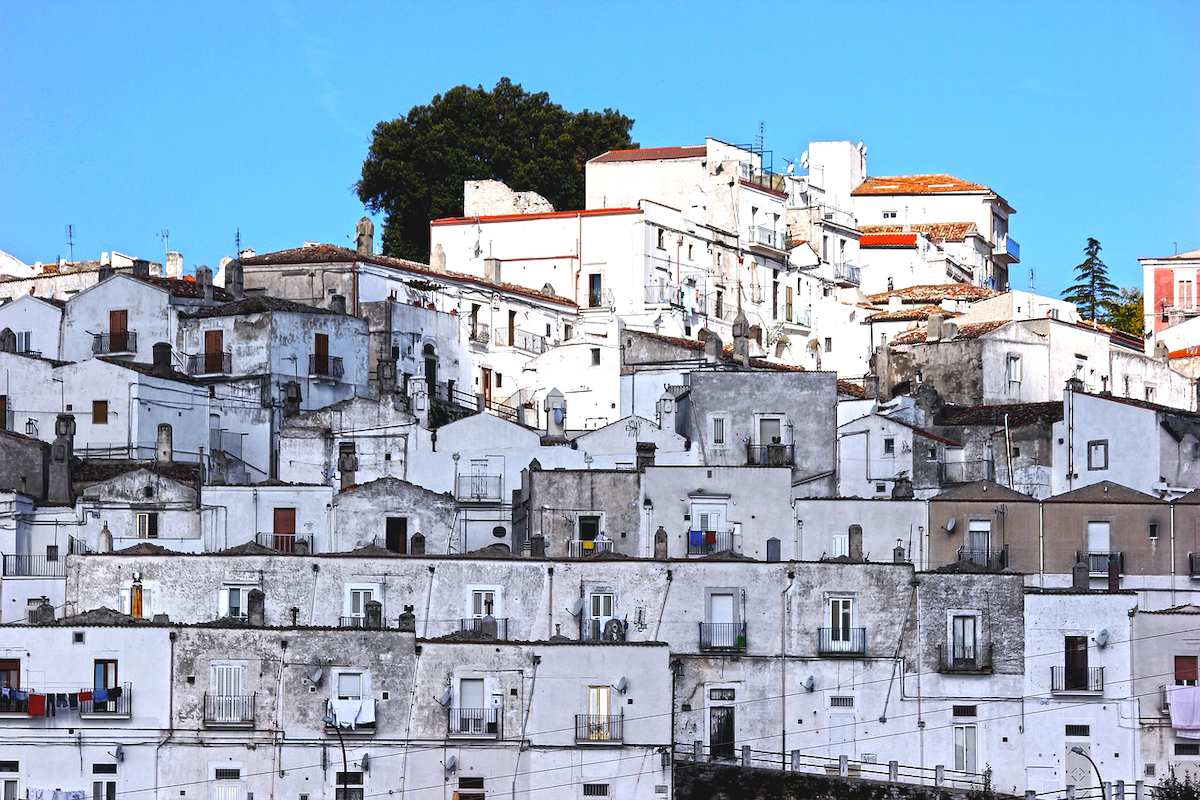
(321, 354)
(214, 352)
(284, 530)
(118, 331)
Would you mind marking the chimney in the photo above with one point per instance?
(164, 450)
(898, 554)
(1074, 384)
(660, 543)
(556, 414)
(666, 412)
(106, 272)
(933, 328)
(949, 330)
(347, 464)
(204, 281)
(162, 359)
(856, 543)
(291, 399)
(418, 402)
(871, 386)
(141, 267)
(385, 374)
(902, 489)
(437, 259)
(1114, 573)
(256, 608)
(365, 237)
(489, 627)
(235, 279)
(645, 455)
(714, 348)
(491, 269)
(373, 611)
(62, 452)
(174, 265)
(537, 547)
(43, 614)
(1081, 574)
(408, 621)
(416, 545)
(337, 303)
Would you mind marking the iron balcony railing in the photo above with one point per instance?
(722, 635)
(603, 728)
(1098, 561)
(701, 543)
(352, 622)
(119, 706)
(662, 294)
(966, 471)
(522, 340)
(78, 547)
(798, 316)
(1077, 679)
(285, 542)
(229, 709)
(496, 627)
(845, 272)
(479, 487)
(592, 630)
(582, 547)
(113, 343)
(325, 366)
(481, 333)
(210, 364)
(33, 567)
(475, 722)
(766, 237)
(991, 559)
(965, 658)
(842, 641)
(770, 455)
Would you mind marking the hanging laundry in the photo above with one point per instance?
(1185, 710)
(114, 693)
(39, 794)
(73, 700)
(37, 705)
(85, 697)
(696, 538)
(60, 700)
(100, 696)
(366, 712)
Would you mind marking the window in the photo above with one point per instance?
(104, 790)
(470, 782)
(321, 360)
(770, 430)
(1153, 532)
(718, 431)
(599, 715)
(889, 446)
(689, 252)
(227, 774)
(104, 676)
(227, 689)
(595, 290)
(828, 344)
(10, 678)
(588, 527)
(99, 412)
(979, 541)
(595, 356)
(1098, 454)
(1185, 670)
(1184, 298)
(283, 528)
(840, 545)
(349, 685)
(1075, 656)
(232, 601)
(1149, 393)
(600, 611)
(1013, 368)
(889, 215)
(841, 702)
(52, 552)
(135, 600)
(356, 599)
(349, 786)
(964, 748)
(147, 525)
(485, 603)
(727, 695)
(825, 248)
(1187, 749)
(962, 641)
(662, 237)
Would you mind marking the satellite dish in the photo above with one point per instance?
(444, 700)
(316, 676)
(860, 145)
(791, 170)
(622, 685)
(804, 159)
(451, 763)
(1102, 638)
(950, 526)
(810, 683)
(577, 607)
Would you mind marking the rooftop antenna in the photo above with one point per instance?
(70, 242)
(165, 235)
(237, 242)
(761, 136)
(1031, 280)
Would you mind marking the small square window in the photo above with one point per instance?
(1187, 749)
(722, 694)
(889, 446)
(965, 711)
(1079, 730)
(889, 215)
(1098, 454)
(880, 487)
(52, 552)
(77, 637)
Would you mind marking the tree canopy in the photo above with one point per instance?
(1093, 293)
(1127, 313)
(416, 165)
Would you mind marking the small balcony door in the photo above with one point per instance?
(601, 612)
(284, 533)
(483, 603)
(841, 621)
(321, 354)
(595, 290)
(470, 705)
(487, 386)
(118, 331)
(214, 352)
(105, 677)
(358, 603)
(228, 689)
(979, 541)
(962, 648)
(599, 709)
(722, 614)
(1076, 658)
(396, 535)
(769, 431)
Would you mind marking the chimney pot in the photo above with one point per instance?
(256, 610)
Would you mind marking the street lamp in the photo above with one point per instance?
(1077, 750)
(328, 720)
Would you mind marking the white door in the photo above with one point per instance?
(601, 613)
(841, 735)
(841, 618)
(227, 791)
(358, 602)
(227, 683)
(722, 631)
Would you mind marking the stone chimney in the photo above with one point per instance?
(556, 414)
(741, 339)
(1081, 574)
(256, 608)
(407, 623)
(385, 374)
(491, 269)
(106, 271)
(933, 327)
(416, 545)
(666, 408)
(714, 348)
(1074, 384)
(902, 489)
(204, 279)
(291, 399)
(174, 266)
(1161, 351)
(164, 450)
(645, 455)
(60, 491)
(42, 615)
(373, 612)
(235, 279)
(856, 542)
(347, 464)
(660, 543)
(141, 267)
(161, 353)
(949, 330)
(437, 259)
(898, 554)
(365, 237)
(337, 303)
(537, 547)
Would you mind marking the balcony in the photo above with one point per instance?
(582, 547)
(210, 364)
(474, 723)
(1077, 679)
(108, 706)
(661, 295)
(593, 629)
(485, 627)
(321, 365)
(352, 621)
(34, 567)
(770, 455)
(846, 274)
(285, 542)
(479, 488)
(1098, 561)
(988, 559)
(229, 710)
(1007, 249)
(955, 472)
(759, 236)
(702, 543)
(842, 641)
(522, 340)
(599, 728)
(480, 333)
(351, 716)
(965, 660)
(722, 635)
(797, 316)
(116, 343)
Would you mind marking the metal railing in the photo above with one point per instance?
(77, 547)
(120, 706)
(592, 630)
(33, 567)
(1078, 679)
(478, 487)
(991, 559)
(599, 727)
(722, 635)
(701, 543)
(1008, 246)
(481, 722)
(582, 547)
(766, 237)
(1098, 561)
(115, 342)
(965, 658)
(225, 441)
(229, 709)
(601, 299)
(522, 340)
(663, 294)
(797, 316)
(770, 455)
(846, 272)
(966, 471)
(494, 627)
(480, 332)
(285, 542)
(842, 641)
(352, 622)
(210, 364)
(325, 366)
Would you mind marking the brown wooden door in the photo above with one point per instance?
(118, 331)
(487, 387)
(321, 354)
(285, 530)
(1076, 662)
(214, 351)
(512, 329)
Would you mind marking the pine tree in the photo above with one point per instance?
(1093, 293)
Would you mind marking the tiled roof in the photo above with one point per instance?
(256, 305)
(893, 240)
(985, 491)
(936, 231)
(727, 355)
(180, 287)
(969, 331)
(652, 154)
(851, 389)
(333, 254)
(923, 432)
(1018, 414)
(150, 371)
(917, 184)
(910, 313)
(101, 469)
(1188, 256)
(1104, 492)
(590, 212)
(936, 293)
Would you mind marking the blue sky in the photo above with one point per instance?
(127, 118)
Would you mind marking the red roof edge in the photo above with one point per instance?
(590, 212)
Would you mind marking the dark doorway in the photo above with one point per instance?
(396, 538)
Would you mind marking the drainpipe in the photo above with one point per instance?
(524, 722)
(428, 597)
(1042, 544)
(783, 629)
(663, 608)
(550, 604)
(1173, 553)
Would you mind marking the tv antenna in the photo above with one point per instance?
(761, 137)
(1031, 280)
(70, 242)
(237, 242)
(165, 235)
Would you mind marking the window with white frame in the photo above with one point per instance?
(964, 640)
(484, 601)
(1012, 368)
(840, 546)
(349, 786)
(147, 525)
(127, 599)
(349, 684)
(889, 215)
(24, 341)
(718, 431)
(232, 601)
(965, 754)
(355, 599)
(1184, 294)
(889, 445)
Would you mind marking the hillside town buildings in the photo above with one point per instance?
(730, 467)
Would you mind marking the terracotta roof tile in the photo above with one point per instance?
(256, 305)
(936, 231)
(652, 154)
(1018, 414)
(910, 313)
(917, 184)
(881, 240)
(936, 293)
(179, 287)
(969, 331)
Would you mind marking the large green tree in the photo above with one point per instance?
(1093, 293)
(1127, 313)
(416, 165)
